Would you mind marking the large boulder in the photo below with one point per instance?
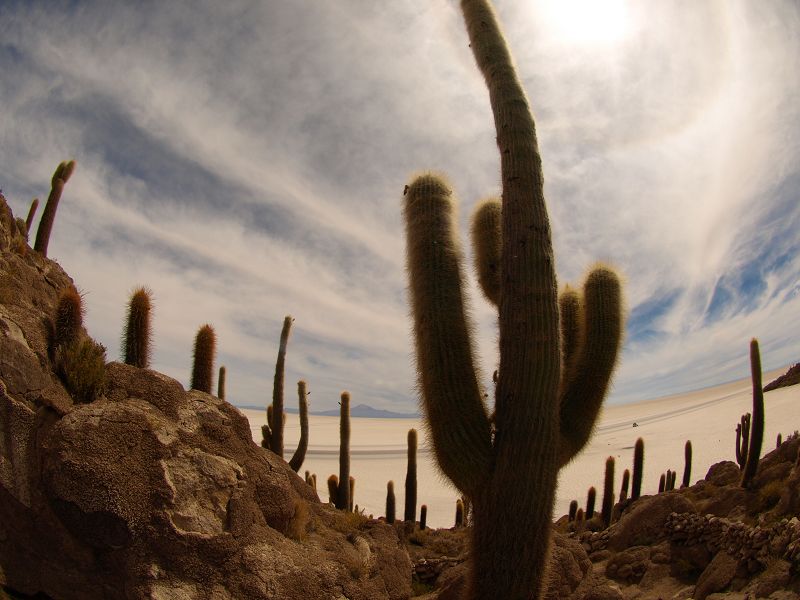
(152, 491)
(643, 523)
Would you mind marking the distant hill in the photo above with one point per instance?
(791, 377)
(361, 411)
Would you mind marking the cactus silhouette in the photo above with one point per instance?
(573, 510)
(343, 495)
(757, 424)
(410, 512)
(545, 407)
(608, 491)
(673, 479)
(31, 215)
(136, 341)
(423, 516)
(204, 349)
(742, 440)
(333, 489)
(300, 453)
(221, 382)
(277, 388)
(390, 505)
(60, 177)
(623, 492)
(459, 513)
(778, 441)
(638, 469)
(687, 464)
(590, 500)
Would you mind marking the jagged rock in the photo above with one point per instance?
(774, 579)
(716, 576)
(629, 565)
(724, 473)
(569, 564)
(152, 491)
(643, 523)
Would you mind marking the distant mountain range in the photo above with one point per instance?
(361, 411)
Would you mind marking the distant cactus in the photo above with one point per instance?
(459, 513)
(673, 480)
(687, 465)
(742, 440)
(573, 510)
(136, 340)
(423, 516)
(638, 469)
(623, 492)
(203, 366)
(662, 483)
(277, 389)
(62, 174)
(779, 441)
(343, 497)
(221, 382)
(31, 215)
(300, 453)
(608, 492)
(590, 500)
(580, 517)
(390, 504)
(757, 425)
(333, 489)
(410, 512)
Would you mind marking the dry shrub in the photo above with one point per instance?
(298, 524)
(81, 366)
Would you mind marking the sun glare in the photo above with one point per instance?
(585, 21)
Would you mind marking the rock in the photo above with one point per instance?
(629, 565)
(716, 576)
(569, 564)
(724, 473)
(775, 578)
(643, 523)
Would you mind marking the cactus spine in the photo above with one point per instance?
(390, 505)
(638, 469)
(545, 408)
(277, 390)
(60, 177)
(757, 424)
(300, 453)
(423, 516)
(343, 496)
(203, 366)
(687, 464)
(590, 500)
(623, 492)
(136, 345)
(608, 491)
(410, 512)
(31, 214)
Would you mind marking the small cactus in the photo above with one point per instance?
(459, 513)
(638, 469)
(742, 440)
(590, 500)
(68, 318)
(687, 464)
(390, 504)
(333, 489)
(423, 516)
(136, 341)
(343, 497)
(221, 382)
(608, 492)
(662, 483)
(203, 366)
(757, 425)
(410, 512)
(62, 174)
(623, 492)
(778, 441)
(300, 453)
(573, 510)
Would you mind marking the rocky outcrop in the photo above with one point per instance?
(791, 377)
(152, 491)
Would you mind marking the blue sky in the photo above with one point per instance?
(246, 160)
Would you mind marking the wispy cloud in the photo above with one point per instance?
(247, 161)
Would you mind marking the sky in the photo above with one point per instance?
(246, 160)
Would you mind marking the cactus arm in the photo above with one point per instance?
(31, 214)
(277, 387)
(587, 383)
(487, 246)
(445, 366)
(739, 459)
(60, 177)
(300, 453)
(757, 422)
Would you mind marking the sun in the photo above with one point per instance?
(585, 21)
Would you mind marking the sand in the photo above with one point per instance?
(706, 417)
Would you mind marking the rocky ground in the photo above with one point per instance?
(153, 491)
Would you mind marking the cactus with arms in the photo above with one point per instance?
(547, 398)
(300, 453)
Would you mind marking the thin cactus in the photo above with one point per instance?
(638, 469)
(410, 512)
(541, 418)
(300, 453)
(352, 493)
(573, 509)
(423, 516)
(757, 425)
(459, 513)
(662, 483)
(608, 491)
(580, 517)
(203, 365)
(333, 489)
(591, 497)
(343, 497)
(223, 372)
(778, 441)
(60, 177)
(390, 503)
(673, 480)
(136, 340)
(623, 492)
(31, 214)
(277, 388)
(743, 440)
(68, 318)
(687, 465)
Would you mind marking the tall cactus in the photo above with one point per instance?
(591, 497)
(277, 390)
(205, 343)
(608, 491)
(757, 423)
(423, 517)
(687, 464)
(300, 453)
(390, 502)
(221, 380)
(545, 404)
(343, 495)
(459, 513)
(60, 177)
(410, 512)
(136, 341)
(638, 469)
